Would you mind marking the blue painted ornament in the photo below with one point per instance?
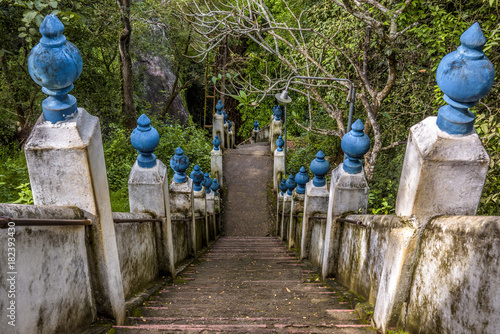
(145, 139)
(55, 64)
(278, 113)
(207, 182)
(197, 177)
(301, 178)
(216, 143)
(255, 126)
(290, 184)
(280, 142)
(215, 186)
(225, 116)
(282, 186)
(464, 76)
(319, 167)
(179, 163)
(218, 107)
(229, 125)
(355, 144)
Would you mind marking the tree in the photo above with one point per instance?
(294, 34)
(128, 107)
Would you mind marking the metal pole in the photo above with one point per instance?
(351, 109)
(285, 143)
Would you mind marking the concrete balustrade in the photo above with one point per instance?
(279, 164)
(118, 254)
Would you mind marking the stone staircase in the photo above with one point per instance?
(242, 285)
(247, 282)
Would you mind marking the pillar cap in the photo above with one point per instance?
(301, 178)
(145, 139)
(197, 177)
(319, 167)
(355, 144)
(179, 163)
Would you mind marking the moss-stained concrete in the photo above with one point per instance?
(457, 278)
(362, 253)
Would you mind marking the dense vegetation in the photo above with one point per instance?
(395, 77)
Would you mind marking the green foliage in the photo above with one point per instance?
(25, 194)
(488, 128)
(14, 179)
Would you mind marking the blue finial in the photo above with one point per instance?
(215, 186)
(179, 164)
(464, 76)
(225, 116)
(301, 178)
(218, 107)
(277, 113)
(280, 142)
(55, 64)
(229, 125)
(355, 144)
(319, 167)
(290, 184)
(255, 126)
(197, 177)
(145, 139)
(207, 182)
(282, 186)
(216, 143)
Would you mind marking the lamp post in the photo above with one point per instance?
(285, 99)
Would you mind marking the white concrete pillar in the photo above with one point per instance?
(216, 165)
(182, 197)
(348, 193)
(279, 168)
(66, 167)
(315, 201)
(218, 123)
(275, 132)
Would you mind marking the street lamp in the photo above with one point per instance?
(285, 99)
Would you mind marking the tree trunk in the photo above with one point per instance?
(128, 107)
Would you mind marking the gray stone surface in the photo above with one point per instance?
(66, 167)
(138, 252)
(52, 286)
(457, 277)
(182, 207)
(216, 171)
(295, 225)
(247, 173)
(279, 169)
(348, 193)
(315, 204)
(275, 132)
(442, 173)
(218, 128)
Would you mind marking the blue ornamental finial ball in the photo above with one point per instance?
(55, 64)
(319, 167)
(355, 144)
(279, 143)
(218, 107)
(464, 76)
(197, 177)
(255, 126)
(225, 116)
(229, 125)
(216, 143)
(290, 184)
(179, 163)
(207, 182)
(301, 178)
(277, 113)
(283, 186)
(215, 186)
(145, 139)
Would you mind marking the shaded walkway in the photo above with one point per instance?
(247, 173)
(247, 284)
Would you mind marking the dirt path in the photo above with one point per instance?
(246, 284)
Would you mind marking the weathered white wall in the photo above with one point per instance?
(362, 252)
(456, 285)
(138, 253)
(52, 287)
